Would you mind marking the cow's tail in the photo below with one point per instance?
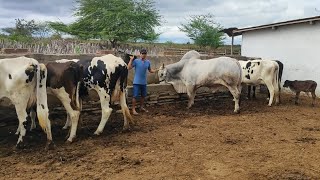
(280, 72)
(79, 79)
(78, 105)
(42, 104)
(123, 97)
(240, 78)
(276, 79)
(77, 71)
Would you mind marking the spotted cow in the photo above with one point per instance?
(107, 75)
(23, 81)
(255, 72)
(280, 64)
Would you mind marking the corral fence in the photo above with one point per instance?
(66, 46)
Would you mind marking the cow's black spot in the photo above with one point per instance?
(25, 123)
(105, 97)
(30, 72)
(248, 70)
(247, 76)
(248, 65)
(40, 86)
(42, 76)
(10, 77)
(120, 72)
(84, 86)
(42, 106)
(251, 71)
(258, 63)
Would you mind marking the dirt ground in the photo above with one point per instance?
(170, 142)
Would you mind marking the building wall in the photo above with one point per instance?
(297, 46)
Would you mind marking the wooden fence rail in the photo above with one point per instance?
(79, 47)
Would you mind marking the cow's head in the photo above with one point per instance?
(162, 73)
(286, 84)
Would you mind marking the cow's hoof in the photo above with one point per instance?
(50, 146)
(133, 122)
(125, 128)
(236, 111)
(65, 127)
(97, 133)
(21, 145)
(69, 141)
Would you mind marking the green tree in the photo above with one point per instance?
(113, 20)
(204, 31)
(25, 30)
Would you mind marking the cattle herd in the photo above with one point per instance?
(26, 83)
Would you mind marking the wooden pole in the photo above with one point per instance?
(232, 44)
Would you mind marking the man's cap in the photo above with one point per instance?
(143, 51)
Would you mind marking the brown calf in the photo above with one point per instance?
(305, 86)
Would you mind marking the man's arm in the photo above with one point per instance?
(130, 62)
(151, 70)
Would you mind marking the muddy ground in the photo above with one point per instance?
(206, 142)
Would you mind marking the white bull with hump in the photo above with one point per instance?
(191, 73)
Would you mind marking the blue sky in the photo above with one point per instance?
(228, 13)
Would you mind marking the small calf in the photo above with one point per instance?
(305, 86)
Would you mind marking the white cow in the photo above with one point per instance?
(255, 72)
(191, 73)
(23, 81)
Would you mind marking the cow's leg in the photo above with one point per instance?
(22, 114)
(297, 98)
(249, 92)
(125, 111)
(191, 93)
(74, 115)
(253, 92)
(106, 110)
(68, 122)
(276, 94)
(313, 97)
(236, 97)
(33, 115)
(271, 91)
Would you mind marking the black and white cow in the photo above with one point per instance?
(280, 64)
(23, 81)
(255, 72)
(107, 75)
(191, 73)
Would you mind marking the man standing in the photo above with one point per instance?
(141, 66)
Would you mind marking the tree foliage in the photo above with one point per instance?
(113, 20)
(25, 30)
(204, 31)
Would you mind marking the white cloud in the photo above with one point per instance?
(229, 13)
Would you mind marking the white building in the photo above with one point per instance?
(296, 43)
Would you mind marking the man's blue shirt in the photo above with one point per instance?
(140, 67)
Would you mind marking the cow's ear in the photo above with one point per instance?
(161, 67)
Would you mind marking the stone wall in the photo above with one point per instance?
(165, 93)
